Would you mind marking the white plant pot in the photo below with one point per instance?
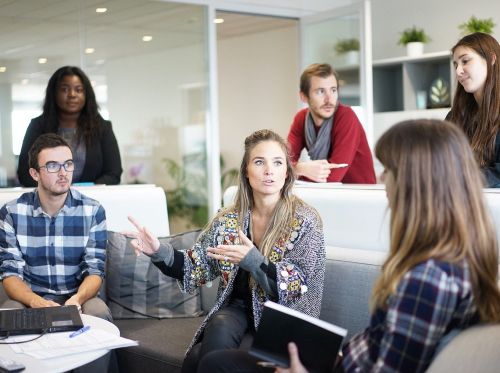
(415, 49)
(352, 58)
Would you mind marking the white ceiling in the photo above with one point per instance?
(59, 29)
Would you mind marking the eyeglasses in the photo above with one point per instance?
(56, 167)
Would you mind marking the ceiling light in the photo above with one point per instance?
(218, 20)
(147, 38)
(24, 81)
(3, 69)
(93, 83)
(101, 10)
(42, 60)
(89, 50)
(100, 62)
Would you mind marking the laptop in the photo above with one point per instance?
(40, 320)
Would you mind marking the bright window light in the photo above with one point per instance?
(20, 121)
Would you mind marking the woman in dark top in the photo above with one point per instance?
(268, 245)
(70, 110)
(476, 106)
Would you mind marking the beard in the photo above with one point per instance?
(55, 190)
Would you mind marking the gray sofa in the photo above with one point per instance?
(350, 274)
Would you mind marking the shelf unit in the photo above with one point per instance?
(397, 80)
(349, 84)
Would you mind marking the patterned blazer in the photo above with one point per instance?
(299, 257)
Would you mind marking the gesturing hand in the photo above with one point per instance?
(144, 241)
(231, 253)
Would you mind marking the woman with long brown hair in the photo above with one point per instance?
(441, 271)
(476, 106)
(268, 245)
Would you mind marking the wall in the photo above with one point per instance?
(147, 105)
(439, 19)
(258, 87)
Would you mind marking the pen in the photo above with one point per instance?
(78, 332)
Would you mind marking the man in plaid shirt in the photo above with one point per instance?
(53, 239)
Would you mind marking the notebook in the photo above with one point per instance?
(39, 320)
(318, 341)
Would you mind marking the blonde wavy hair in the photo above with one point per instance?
(283, 216)
(437, 209)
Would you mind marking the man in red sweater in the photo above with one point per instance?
(330, 131)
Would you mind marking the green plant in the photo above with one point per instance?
(477, 25)
(346, 45)
(189, 198)
(411, 35)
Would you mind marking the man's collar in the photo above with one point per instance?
(37, 207)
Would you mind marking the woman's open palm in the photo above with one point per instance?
(144, 241)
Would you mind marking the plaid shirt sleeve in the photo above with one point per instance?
(94, 255)
(11, 259)
(404, 338)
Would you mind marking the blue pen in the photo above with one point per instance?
(78, 332)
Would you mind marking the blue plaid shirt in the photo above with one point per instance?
(432, 298)
(52, 255)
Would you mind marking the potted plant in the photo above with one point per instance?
(414, 40)
(476, 25)
(349, 48)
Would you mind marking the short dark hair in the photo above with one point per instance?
(323, 70)
(45, 141)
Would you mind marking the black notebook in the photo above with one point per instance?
(39, 320)
(318, 341)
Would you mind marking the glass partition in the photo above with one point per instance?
(148, 64)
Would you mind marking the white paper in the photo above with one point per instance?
(60, 344)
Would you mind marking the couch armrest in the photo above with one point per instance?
(473, 350)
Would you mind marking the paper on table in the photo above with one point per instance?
(59, 344)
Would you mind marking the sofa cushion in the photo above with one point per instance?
(162, 344)
(349, 278)
(136, 288)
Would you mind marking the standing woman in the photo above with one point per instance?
(476, 106)
(268, 245)
(70, 110)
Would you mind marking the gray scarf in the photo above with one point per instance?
(319, 145)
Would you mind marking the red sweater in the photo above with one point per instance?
(348, 145)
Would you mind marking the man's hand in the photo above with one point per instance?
(17, 290)
(40, 302)
(295, 364)
(73, 301)
(317, 170)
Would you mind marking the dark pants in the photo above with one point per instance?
(225, 330)
(231, 361)
(237, 361)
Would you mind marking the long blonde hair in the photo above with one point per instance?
(283, 216)
(437, 209)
